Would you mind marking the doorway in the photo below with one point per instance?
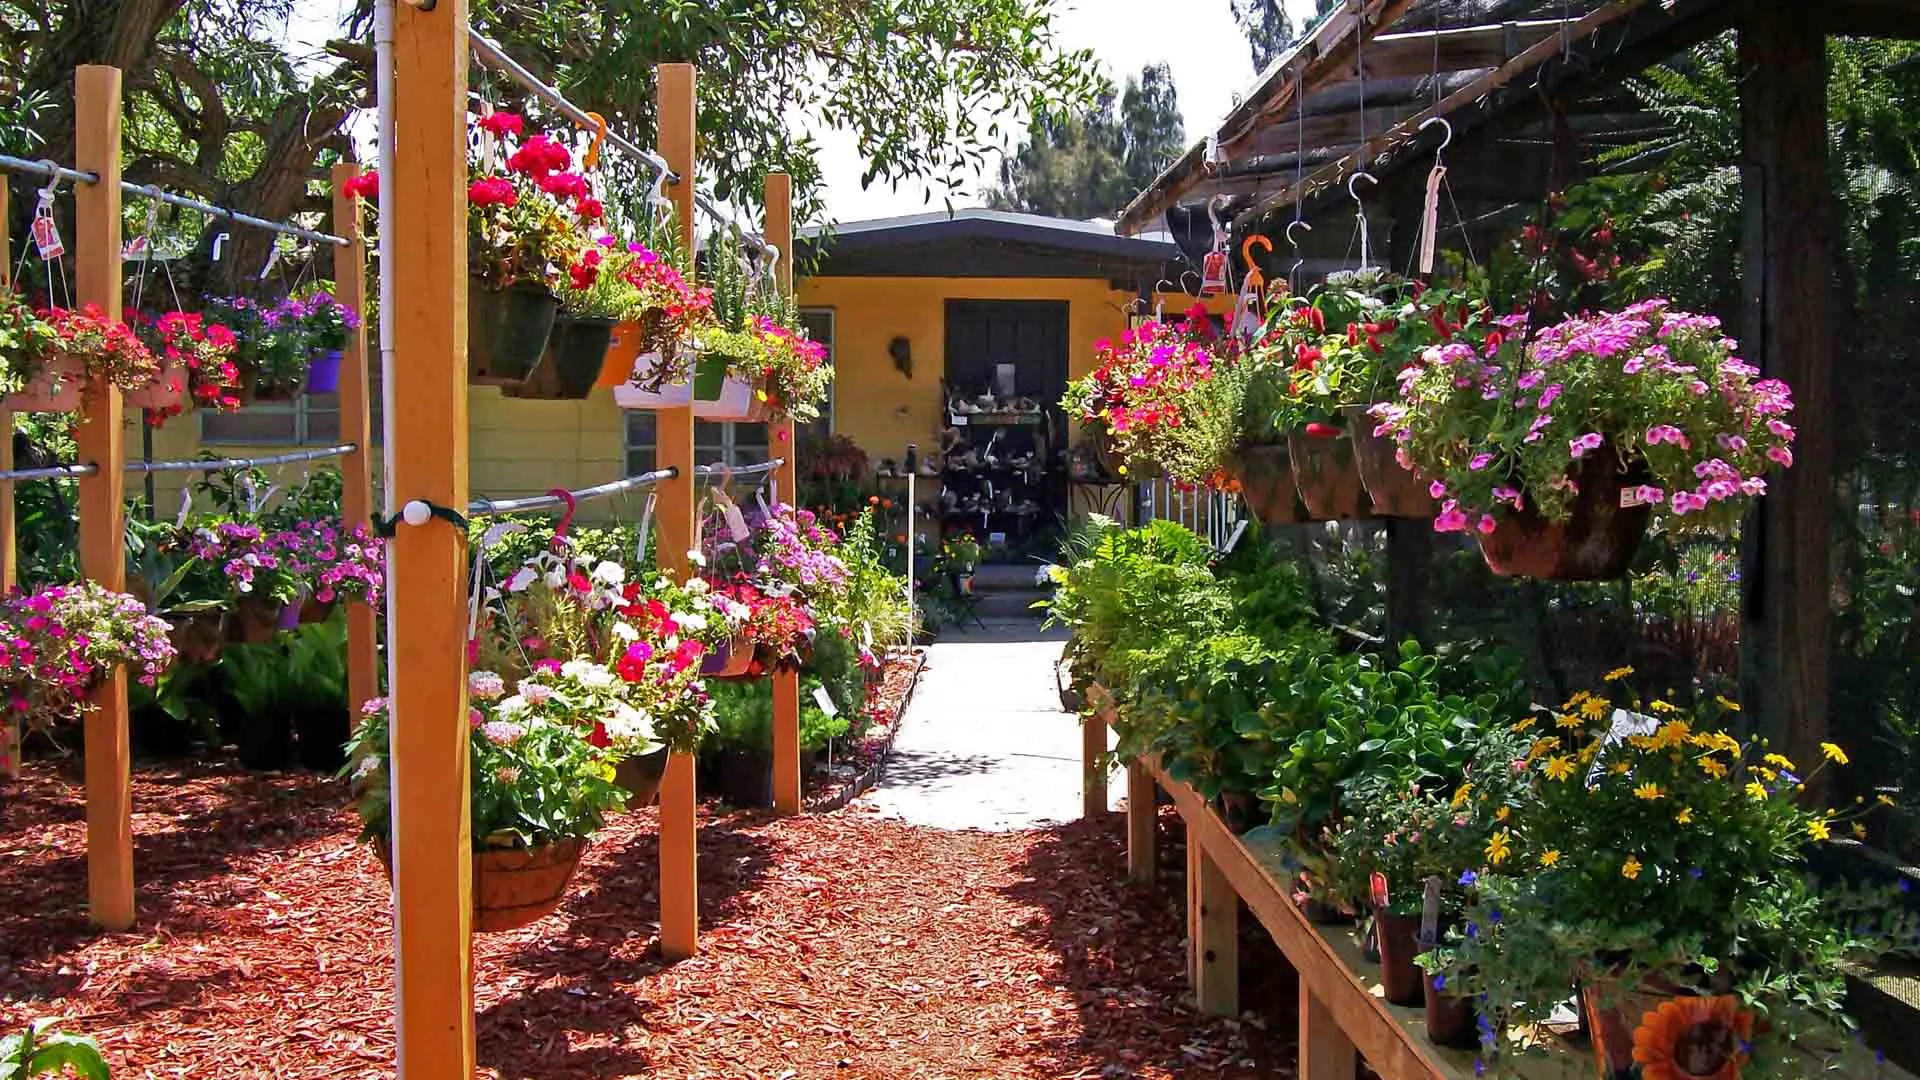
(1004, 442)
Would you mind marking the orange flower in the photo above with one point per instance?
(1693, 1038)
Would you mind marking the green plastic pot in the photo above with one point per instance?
(507, 331)
(709, 377)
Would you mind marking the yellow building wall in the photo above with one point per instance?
(881, 409)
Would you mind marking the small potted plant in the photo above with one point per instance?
(327, 324)
(26, 342)
(270, 351)
(58, 643)
(196, 366)
(84, 345)
(650, 363)
(1558, 452)
(521, 237)
(265, 583)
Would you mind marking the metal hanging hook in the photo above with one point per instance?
(1446, 138)
(1299, 259)
(1213, 215)
(1360, 216)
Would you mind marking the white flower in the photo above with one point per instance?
(625, 632)
(556, 579)
(510, 706)
(250, 559)
(595, 677)
(734, 610)
(367, 765)
(698, 586)
(610, 573)
(535, 693)
(626, 723)
(521, 578)
(244, 585)
(689, 622)
(573, 669)
(696, 558)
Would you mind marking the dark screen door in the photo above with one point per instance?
(1031, 335)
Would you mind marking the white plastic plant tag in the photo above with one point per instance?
(825, 701)
(186, 507)
(219, 241)
(1430, 218)
(646, 522)
(736, 521)
(1430, 913)
(273, 260)
(1233, 538)
(46, 238)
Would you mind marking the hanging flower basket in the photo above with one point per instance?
(1327, 474)
(507, 330)
(640, 777)
(1395, 490)
(323, 375)
(256, 619)
(626, 344)
(1265, 476)
(720, 396)
(199, 636)
(164, 392)
(572, 363)
(730, 659)
(1399, 937)
(628, 395)
(515, 887)
(1597, 542)
(54, 388)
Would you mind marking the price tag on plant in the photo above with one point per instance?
(1377, 885)
(737, 523)
(825, 701)
(46, 238)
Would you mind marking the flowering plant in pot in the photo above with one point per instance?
(266, 585)
(333, 563)
(1661, 861)
(522, 236)
(326, 323)
(1559, 451)
(653, 345)
(58, 643)
(25, 338)
(271, 346)
(797, 551)
(540, 787)
(83, 345)
(1141, 390)
(777, 625)
(197, 366)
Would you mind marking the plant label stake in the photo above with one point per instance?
(646, 522)
(1430, 213)
(1430, 913)
(1377, 886)
(1213, 268)
(46, 233)
(825, 701)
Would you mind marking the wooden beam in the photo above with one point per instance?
(9, 554)
(1326, 1052)
(786, 479)
(679, 824)
(1213, 935)
(1786, 547)
(426, 459)
(101, 442)
(356, 427)
(1093, 753)
(1143, 832)
(1460, 48)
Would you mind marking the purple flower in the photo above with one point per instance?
(1579, 447)
(1480, 461)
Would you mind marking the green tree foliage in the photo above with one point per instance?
(1093, 162)
(1268, 28)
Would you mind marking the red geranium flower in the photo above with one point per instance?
(364, 186)
(589, 209)
(503, 124)
(492, 191)
(564, 185)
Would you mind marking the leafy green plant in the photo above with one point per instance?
(42, 1051)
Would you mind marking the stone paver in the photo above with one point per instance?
(984, 744)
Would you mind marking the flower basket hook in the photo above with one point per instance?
(1360, 215)
(1213, 279)
(1299, 260)
(566, 517)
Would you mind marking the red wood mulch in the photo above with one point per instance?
(834, 946)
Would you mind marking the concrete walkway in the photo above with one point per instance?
(984, 744)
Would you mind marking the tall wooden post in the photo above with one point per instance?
(1326, 1051)
(356, 496)
(103, 560)
(426, 459)
(1093, 761)
(9, 554)
(786, 684)
(679, 824)
(1142, 824)
(1787, 572)
(1213, 933)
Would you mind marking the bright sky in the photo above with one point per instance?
(1197, 38)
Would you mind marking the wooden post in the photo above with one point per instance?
(426, 459)
(1786, 546)
(356, 496)
(1326, 1053)
(9, 557)
(786, 684)
(1213, 933)
(1142, 825)
(679, 824)
(103, 560)
(1093, 755)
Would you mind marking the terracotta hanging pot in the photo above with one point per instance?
(313, 610)
(54, 388)
(1328, 476)
(640, 777)
(1597, 542)
(570, 366)
(507, 330)
(256, 620)
(1399, 937)
(169, 385)
(728, 660)
(198, 636)
(1395, 491)
(517, 886)
(627, 343)
(1265, 476)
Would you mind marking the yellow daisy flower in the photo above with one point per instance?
(1631, 868)
(1619, 768)
(1834, 753)
(1616, 674)
(1713, 767)
(1648, 791)
(1662, 705)
(1757, 790)
(1503, 813)
(1559, 767)
(1499, 846)
(1883, 800)
(1674, 733)
(1574, 701)
(1730, 706)
(1525, 725)
(1818, 829)
(1550, 858)
(1594, 707)
(1685, 816)
(1460, 797)
(1566, 720)
(1778, 761)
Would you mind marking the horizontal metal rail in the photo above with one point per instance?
(63, 472)
(50, 472)
(737, 472)
(48, 169)
(492, 507)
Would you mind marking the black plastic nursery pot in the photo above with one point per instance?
(640, 777)
(507, 331)
(1450, 1018)
(1400, 977)
(571, 365)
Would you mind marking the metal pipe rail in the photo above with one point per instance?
(48, 169)
(56, 472)
(489, 54)
(493, 507)
(50, 472)
(736, 472)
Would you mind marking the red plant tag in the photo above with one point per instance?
(46, 237)
(1213, 273)
(1377, 884)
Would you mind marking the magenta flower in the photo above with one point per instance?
(1579, 447)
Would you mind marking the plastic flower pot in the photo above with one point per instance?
(719, 396)
(1450, 1018)
(1656, 1027)
(255, 620)
(54, 388)
(1597, 541)
(1396, 491)
(632, 395)
(640, 777)
(1265, 476)
(289, 617)
(1400, 977)
(507, 330)
(728, 660)
(323, 375)
(515, 887)
(164, 392)
(625, 347)
(572, 361)
(198, 637)
(1327, 475)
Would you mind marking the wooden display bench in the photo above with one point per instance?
(1344, 1018)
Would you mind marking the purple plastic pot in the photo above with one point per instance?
(715, 661)
(323, 375)
(290, 616)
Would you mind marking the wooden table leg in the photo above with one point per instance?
(1325, 1051)
(1142, 820)
(1093, 753)
(1213, 934)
